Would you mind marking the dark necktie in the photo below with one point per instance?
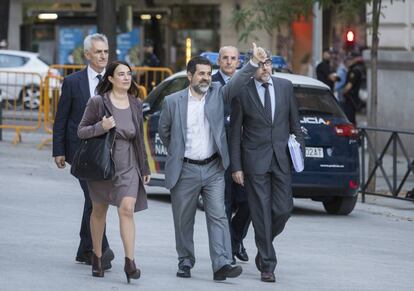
(267, 103)
(99, 76)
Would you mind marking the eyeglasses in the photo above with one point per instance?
(267, 62)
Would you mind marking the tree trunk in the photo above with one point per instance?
(376, 13)
(106, 11)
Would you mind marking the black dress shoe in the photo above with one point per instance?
(227, 271)
(241, 254)
(233, 262)
(85, 258)
(107, 257)
(267, 277)
(184, 272)
(258, 262)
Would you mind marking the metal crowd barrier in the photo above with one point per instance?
(22, 102)
(28, 99)
(395, 145)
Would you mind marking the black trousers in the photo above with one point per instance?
(85, 245)
(270, 201)
(235, 200)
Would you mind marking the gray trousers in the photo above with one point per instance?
(209, 181)
(270, 202)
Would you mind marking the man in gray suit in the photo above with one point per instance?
(262, 117)
(191, 126)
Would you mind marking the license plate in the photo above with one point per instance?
(314, 152)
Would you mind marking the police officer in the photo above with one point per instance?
(351, 101)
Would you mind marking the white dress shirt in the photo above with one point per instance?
(93, 79)
(199, 139)
(261, 92)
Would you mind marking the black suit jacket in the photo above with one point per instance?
(73, 99)
(254, 138)
(227, 107)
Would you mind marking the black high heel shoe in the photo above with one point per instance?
(97, 270)
(131, 271)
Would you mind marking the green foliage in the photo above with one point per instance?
(272, 14)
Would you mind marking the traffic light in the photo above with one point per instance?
(350, 38)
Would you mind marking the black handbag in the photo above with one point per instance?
(93, 160)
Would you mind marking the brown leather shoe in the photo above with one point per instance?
(131, 271)
(268, 277)
(97, 270)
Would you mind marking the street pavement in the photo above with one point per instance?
(41, 208)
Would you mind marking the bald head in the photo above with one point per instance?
(228, 60)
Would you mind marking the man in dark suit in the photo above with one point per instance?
(262, 117)
(235, 198)
(77, 88)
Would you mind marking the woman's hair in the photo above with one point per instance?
(105, 85)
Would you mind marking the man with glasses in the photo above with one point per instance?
(262, 117)
(77, 88)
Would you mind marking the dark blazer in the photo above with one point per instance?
(75, 94)
(91, 126)
(217, 77)
(254, 138)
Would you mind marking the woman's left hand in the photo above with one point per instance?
(147, 179)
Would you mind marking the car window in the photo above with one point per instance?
(175, 85)
(9, 61)
(317, 101)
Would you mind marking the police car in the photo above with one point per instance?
(331, 173)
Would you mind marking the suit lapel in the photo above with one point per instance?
(84, 84)
(251, 88)
(183, 107)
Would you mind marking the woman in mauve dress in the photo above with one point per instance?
(126, 189)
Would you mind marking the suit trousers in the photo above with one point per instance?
(85, 245)
(270, 201)
(209, 181)
(235, 200)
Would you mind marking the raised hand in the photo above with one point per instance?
(259, 54)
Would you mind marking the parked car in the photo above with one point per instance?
(331, 173)
(21, 74)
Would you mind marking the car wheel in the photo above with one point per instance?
(340, 205)
(30, 96)
(200, 203)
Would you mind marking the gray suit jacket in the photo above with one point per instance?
(173, 121)
(254, 137)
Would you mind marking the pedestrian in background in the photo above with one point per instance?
(235, 196)
(77, 88)
(126, 189)
(324, 71)
(151, 79)
(263, 116)
(191, 126)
